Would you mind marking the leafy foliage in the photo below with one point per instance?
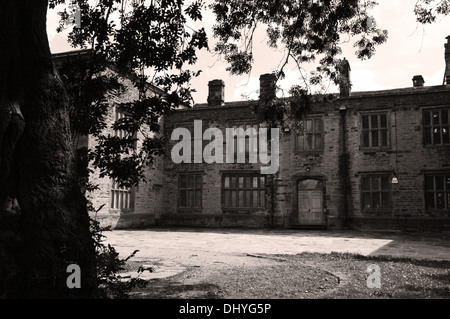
(428, 10)
(110, 284)
(305, 29)
(152, 44)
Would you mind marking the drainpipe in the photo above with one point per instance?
(343, 164)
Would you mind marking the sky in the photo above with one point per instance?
(411, 49)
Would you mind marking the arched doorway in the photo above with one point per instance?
(310, 202)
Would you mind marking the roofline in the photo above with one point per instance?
(353, 95)
(85, 52)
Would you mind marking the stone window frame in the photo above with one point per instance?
(313, 133)
(244, 124)
(443, 189)
(433, 126)
(378, 129)
(117, 196)
(261, 189)
(117, 193)
(196, 188)
(378, 189)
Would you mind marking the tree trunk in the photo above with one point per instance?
(52, 229)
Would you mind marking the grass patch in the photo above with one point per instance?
(309, 276)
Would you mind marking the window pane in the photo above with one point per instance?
(262, 199)
(308, 142)
(440, 200)
(447, 179)
(248, 182)
(375, 181)
(366, 200)
(385, 185)
(374, 121)
(437, 135)
(429, 183)
(183, 181)
(429, 200)
(317, 125)
(445, 135)
(376, 200)
(255, 182)
(112, 199)
(375, 139)
(233, 199)
(365, 121)
(299, 142)
(198, 198)
(309, 126)
(385, 200)
(366, 139)
(426, 118)
(262, 181)
(241, 198)
(427, 135)
(125, 200)
(226, 198)
(384, 138)
(233, 182)
(255, 199)
(190, 202)
(366, 183)
(439, 182)
(444, 118)
(383, 120)
(248, 198)
(436, 117)
(241, 182)
(226, 182)
(191, 181)
(318, 141)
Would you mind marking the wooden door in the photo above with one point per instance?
(310, 206)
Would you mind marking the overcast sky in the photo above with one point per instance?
(411, 49)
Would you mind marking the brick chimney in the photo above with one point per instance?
(216, 94)
(267, 86)
(447, 61)
(345, 84)
(418, 81)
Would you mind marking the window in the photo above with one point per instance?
(435, 127)
(122, 198)
(246, 145)
(375, 191)
(311, 139)
(190, 190)
(243, 190)
(437, 191)
(375, 130)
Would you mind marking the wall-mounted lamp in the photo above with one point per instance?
(394, 179)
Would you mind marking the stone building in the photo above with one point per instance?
(378, 159)
(367, 160)
(117, 207)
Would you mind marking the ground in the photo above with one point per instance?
(200, 263)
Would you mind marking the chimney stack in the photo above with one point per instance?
(216, 94)
(267, 86)
(345, 84)
(418, 81)
(447, 61)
